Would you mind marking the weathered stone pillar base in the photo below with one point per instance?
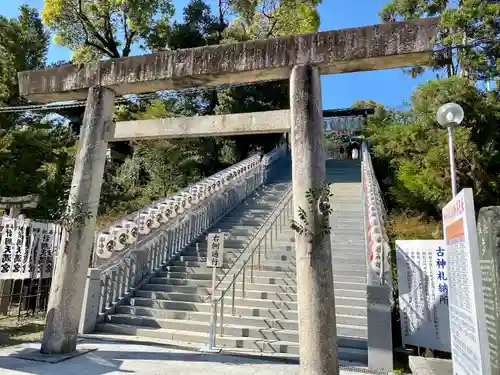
(316, 302)
(68, 283)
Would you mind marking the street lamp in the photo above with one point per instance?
(450, 115)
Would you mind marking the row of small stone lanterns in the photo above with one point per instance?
(120, 235)
(377, 239)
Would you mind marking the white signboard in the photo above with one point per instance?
(423, 293)
(215, 249)
(27, 248)
(469, 341)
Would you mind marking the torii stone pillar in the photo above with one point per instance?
(66, 294)
(316, 301)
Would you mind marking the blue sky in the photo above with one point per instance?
(391, 87)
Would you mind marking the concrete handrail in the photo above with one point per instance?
(379, 273)
(377, 241)
(111, 283)
(127, 233)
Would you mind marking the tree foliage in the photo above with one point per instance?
(410, 148)
(412, 158)
(469, 34)
(23, 46)
(259, 19)
(158, 168)
(107, 28)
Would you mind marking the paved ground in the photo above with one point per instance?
(113, 358)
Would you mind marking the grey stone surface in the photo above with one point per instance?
(375, 47)
(173, 304)
(68, 284)
(488, 233)
(34, 354)
(91, 301)
(379, 327)
(430, 366)
(113, 358)
(316, 299)
(201, 126)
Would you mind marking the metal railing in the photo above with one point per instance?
(374, 212)
(279, 218)
(111, 283)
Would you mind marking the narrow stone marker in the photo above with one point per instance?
(488, 235)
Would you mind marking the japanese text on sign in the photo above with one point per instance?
(423, 301)
(215, 250)
(469, 344)
(441, 275)
(27, 248)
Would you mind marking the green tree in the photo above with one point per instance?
(259, 19)
(469, 34)
(36, 153)
(93, 29)
(158, 168)
(416, 152)
(23, 46)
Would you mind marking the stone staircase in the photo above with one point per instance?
(175, 303)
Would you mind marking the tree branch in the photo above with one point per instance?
(271, 29)
(128, 43)
(86, 22)
(108, 27)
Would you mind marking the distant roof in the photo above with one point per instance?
(348, 112)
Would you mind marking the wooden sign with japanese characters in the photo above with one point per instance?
(215, 249)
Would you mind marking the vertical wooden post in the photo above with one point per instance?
(68, 283)
(316, 302)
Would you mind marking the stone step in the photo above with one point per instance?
(208, 283)
(348, 278)
(357, 271)
(242, 328)
(246, 231)
(272, 265)
(174, 271)
(189, 301)
(248, 221)
(232, 254)
(244, 310)
(249, 293)
(249, 343)
(195, 299)
(274, 254)
(253, 321)
(203, 289)
(341, 289)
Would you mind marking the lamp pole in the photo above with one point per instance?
(450, 115)
(453, 170)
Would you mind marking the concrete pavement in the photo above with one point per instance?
(112, 358)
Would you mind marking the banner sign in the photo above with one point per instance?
(423, 293)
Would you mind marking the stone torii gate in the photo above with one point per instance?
(299, 58)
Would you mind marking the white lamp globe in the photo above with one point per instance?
(450, 114)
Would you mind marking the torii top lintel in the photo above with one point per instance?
(384, 46)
